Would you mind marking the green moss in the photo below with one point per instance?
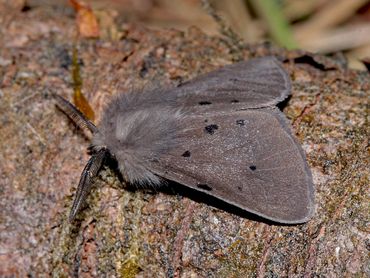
(130, 268)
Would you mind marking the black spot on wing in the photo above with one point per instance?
(234, 101)
(253, 167)
(240, 188)
(211, 128)
(240, 122)
(186, 154)
(204, 186)
(204, 103)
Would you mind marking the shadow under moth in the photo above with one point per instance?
(220, 133)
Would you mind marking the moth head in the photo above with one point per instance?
(106, 146)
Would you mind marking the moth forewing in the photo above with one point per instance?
(249, 159)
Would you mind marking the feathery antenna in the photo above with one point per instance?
(71, 111)
(88, 174)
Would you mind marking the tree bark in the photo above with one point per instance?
(155, 233)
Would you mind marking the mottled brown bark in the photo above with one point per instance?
(157, 234)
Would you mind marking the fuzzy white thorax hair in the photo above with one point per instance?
(137, 127)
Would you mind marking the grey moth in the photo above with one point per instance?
(220, 133)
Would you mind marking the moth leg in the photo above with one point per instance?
(71, 111)
(84, 186)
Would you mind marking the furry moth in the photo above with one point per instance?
(220, 133)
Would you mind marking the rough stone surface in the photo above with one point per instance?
(146, 233)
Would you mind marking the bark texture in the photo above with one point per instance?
(145, 233)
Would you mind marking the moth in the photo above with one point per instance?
(220, 133)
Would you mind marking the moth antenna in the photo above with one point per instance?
(84, 186)
(71, 111)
